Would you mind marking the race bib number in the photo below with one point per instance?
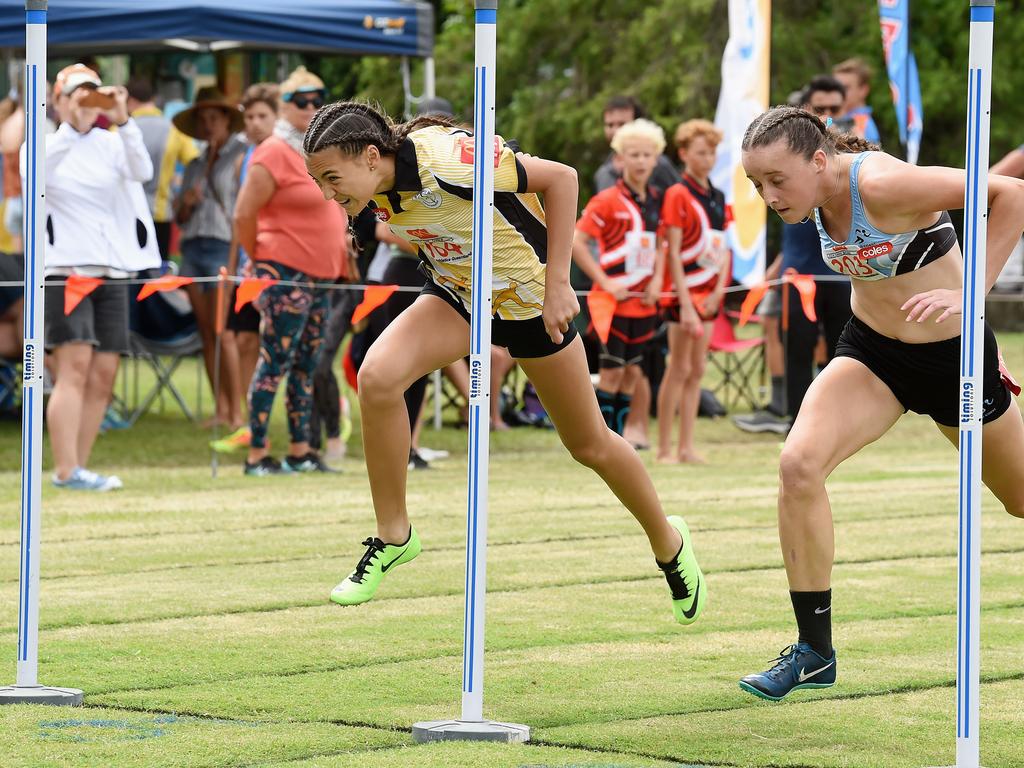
(860, 263)
(714, 256)
(641, 249)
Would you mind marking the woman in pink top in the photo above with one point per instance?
(293, 235)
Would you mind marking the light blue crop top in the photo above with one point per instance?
(870, 254)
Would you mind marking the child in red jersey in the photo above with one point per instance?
(695, 218)
(623, 222)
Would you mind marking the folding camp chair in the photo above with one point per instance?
(163, 358)
(739, 362)
(163, 333)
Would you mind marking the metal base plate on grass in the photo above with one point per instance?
(40, 694)
(470, 730)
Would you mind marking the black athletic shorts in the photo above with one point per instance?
(245, 320)
(522, 338)
(12, 269)
(925, 377)
(100, 319)
(627, 340)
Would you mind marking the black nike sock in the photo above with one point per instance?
(606, 402)
(622, 406)
(814, 619)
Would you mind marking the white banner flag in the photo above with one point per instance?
(744, 95)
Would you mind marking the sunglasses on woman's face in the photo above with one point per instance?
(303, 100)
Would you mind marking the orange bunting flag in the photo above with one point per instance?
(250, 288)
(754, 296)
(602, 309)
(805, 285)
(76, 289)
(161, 284)
(373, 297)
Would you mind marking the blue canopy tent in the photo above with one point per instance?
(370, 27)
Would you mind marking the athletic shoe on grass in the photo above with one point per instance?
(307, 463)
(112, 420)
(416, 461)
(432, 454)
(798, 666)
(264, 467)
(82, 479)
(236, 441)
(764, 421)
(684, 577)
(379, 558)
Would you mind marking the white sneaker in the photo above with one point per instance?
(104, 482)
(430, 454)
(83, 480)
(763, 421)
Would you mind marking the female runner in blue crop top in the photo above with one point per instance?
(899, 352)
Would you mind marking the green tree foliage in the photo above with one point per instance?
(559, 60)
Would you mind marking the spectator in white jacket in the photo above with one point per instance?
(97, 225)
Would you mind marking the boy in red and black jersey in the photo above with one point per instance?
(623, 222)
(695, 218)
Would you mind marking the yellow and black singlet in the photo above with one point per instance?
(431, 207)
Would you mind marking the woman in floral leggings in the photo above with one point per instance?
(299, 239)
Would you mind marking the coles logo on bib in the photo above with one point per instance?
(874, 251)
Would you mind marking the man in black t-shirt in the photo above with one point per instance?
(618, 111)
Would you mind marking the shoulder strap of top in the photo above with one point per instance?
(858, 204)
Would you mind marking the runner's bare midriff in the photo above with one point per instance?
(878, 303)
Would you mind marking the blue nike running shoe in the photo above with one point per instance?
(798, 666)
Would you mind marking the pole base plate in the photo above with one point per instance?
(470, 730)
(40, 694)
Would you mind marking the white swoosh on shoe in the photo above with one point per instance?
(807, 676)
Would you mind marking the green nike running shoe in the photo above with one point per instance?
(379, 558)
(684, 577)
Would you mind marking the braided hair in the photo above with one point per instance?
(804, 132)
(351, 126)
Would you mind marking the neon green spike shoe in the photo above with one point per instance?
(684, 577)
(379, 558)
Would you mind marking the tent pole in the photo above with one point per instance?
(428, 77)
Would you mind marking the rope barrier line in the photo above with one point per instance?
(400, 288)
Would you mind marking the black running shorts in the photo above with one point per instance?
(522, 338)
(627, 340)
(925, 377)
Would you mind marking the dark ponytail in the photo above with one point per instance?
(804, 132)
(351, 126)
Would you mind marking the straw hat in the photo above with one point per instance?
(301, 80)
(210, 96)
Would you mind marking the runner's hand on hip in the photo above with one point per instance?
(560, 307)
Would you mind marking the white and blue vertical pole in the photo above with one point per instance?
(27, 688)
(471, 725)
(968, 669)
(480, 361)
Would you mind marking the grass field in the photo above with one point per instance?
(193, 612)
